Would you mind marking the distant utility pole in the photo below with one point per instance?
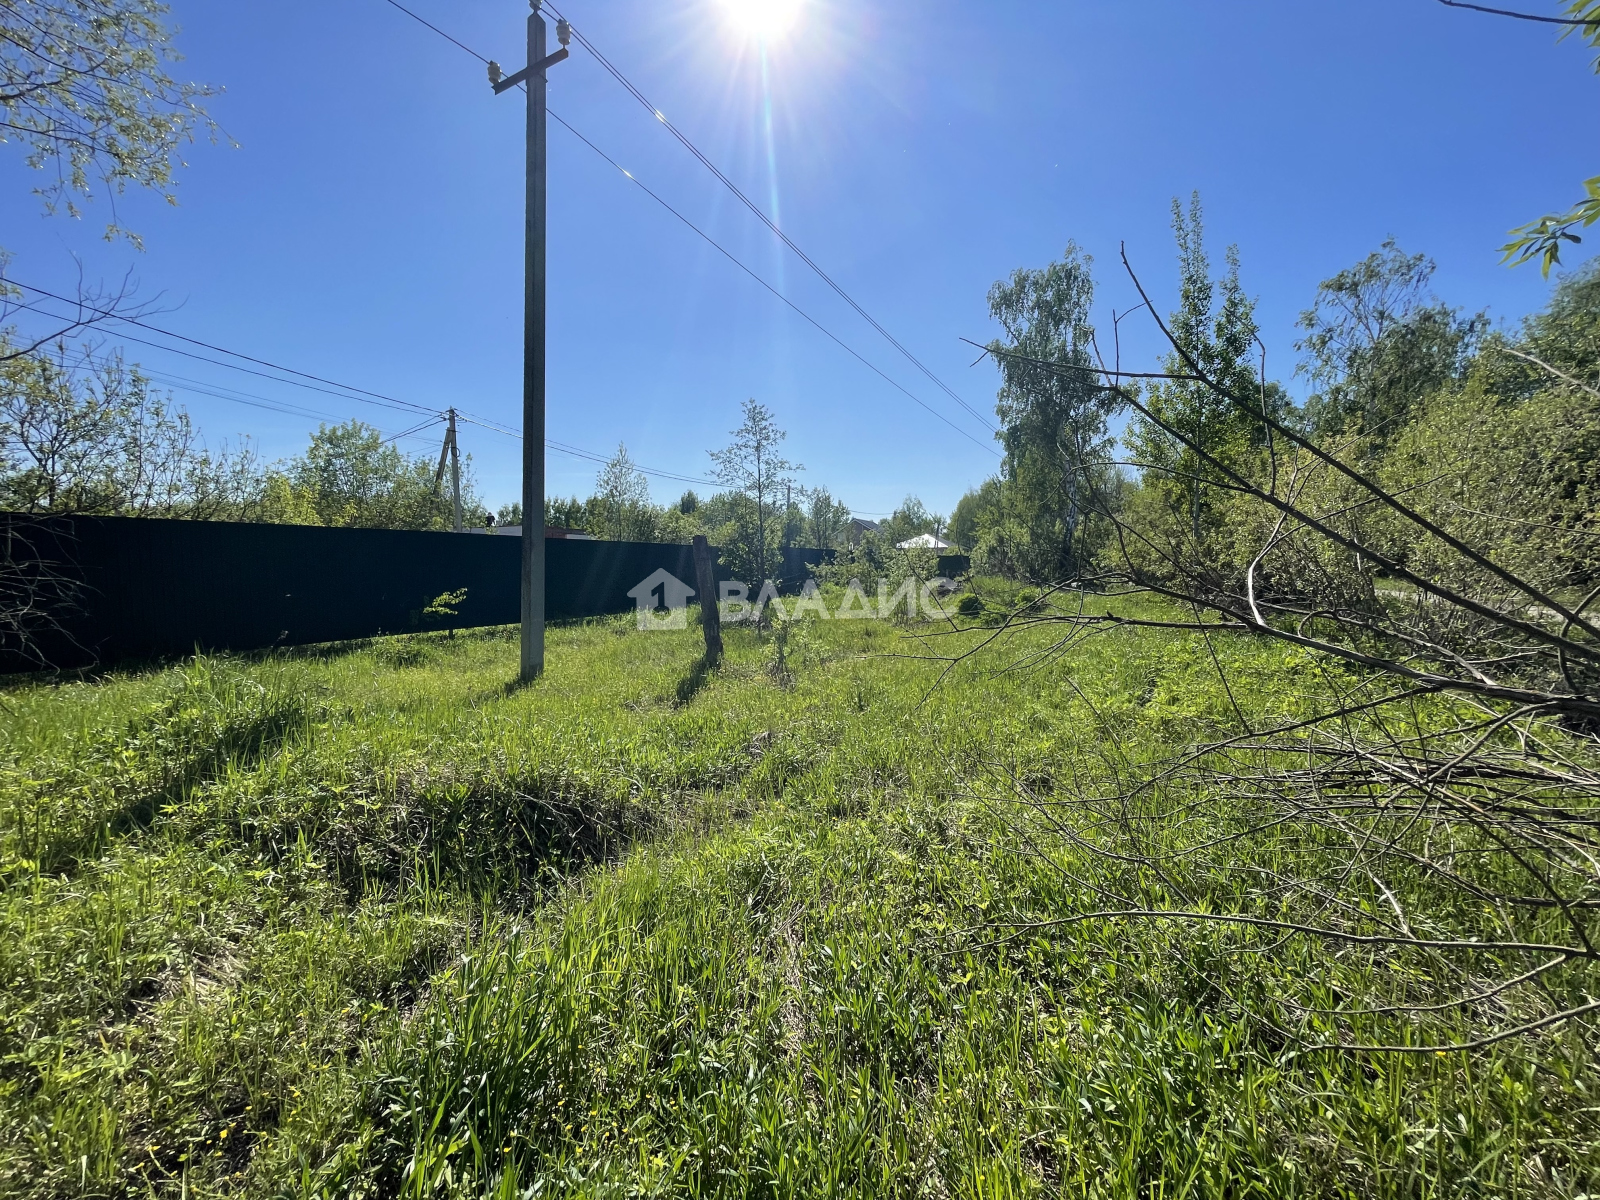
(452, 451)
(533, 75)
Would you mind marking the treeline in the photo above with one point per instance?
(1492, 434)
(87, 433)
(761, 509)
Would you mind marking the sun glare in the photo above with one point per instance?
(763, 19)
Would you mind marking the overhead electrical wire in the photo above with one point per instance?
(365, 396)
(576, 452)
(802, 312)
(192, 387)
(200, 387)
(204, 388)
(349, 391)
(755, 208)
(720, 248)
(429, 423)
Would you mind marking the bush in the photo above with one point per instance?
(970, 605)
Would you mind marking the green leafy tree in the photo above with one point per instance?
(1215, 326)
(1053, 414)
(730, 523)
(827, 520)
(1559, 342)
(621, 510)
(1506, 459)
(976, 511)
(792, 530)
(568, 513)
(1377, 342)
(86, 434)
(672, 525)
(85, 91)
(351, 476)
(752, 466)
(911, 518)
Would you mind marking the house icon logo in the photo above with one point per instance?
(675, 595)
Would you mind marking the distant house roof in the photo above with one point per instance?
(862, 525)
(923, 541)
(550, 531)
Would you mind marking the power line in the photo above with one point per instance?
(429, 423)
(253, 401)
(200, 387)
(1506, 12)
(367, 397)
(178, 383)
(807, 316)
(683, 140)
(357, 392)
(576, 452)
(721, 249)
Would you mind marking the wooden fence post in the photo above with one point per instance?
(705, 582)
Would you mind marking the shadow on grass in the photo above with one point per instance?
(518, 684)
(502, 838)
(699, 675)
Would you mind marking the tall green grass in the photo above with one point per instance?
(376, 921)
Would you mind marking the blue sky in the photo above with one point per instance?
(368, 226)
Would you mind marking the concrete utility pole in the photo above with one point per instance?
(533, 335)
(455, 469)
(451, 450)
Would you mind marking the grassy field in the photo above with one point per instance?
(377, 922)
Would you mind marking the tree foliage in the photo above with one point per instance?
(753, 467)
(1192, 435)
(351, 476)
(624, 512)
(85, 90)
(1542, 239)
(1053, 416)
(909, 519)
(1377, 342)
(827, 521)
(1490, 440)
(85, 434)
(975, 512)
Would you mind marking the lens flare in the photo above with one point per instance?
(763, 19)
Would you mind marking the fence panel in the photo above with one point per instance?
(149, 588)
(140, 588)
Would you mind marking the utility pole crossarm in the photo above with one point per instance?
(510, 81)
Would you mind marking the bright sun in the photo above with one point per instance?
(763, 19)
